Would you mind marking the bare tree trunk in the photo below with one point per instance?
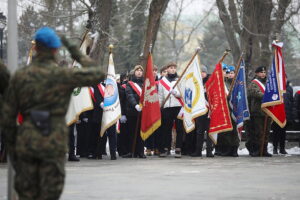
(229, 31)
(157, 9)
(255, 29)
(100, 24)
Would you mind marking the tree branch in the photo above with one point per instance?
(282, 6)
(234, 17)
(292, 13)
(196, 27)
(232, 40)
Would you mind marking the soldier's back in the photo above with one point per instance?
(43, 86)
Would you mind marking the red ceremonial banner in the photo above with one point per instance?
(151, 116)
(220, 120)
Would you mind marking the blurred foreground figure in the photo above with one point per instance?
(4, 79)
(41, 93)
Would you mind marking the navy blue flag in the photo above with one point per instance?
(272, 103)
(238, 100)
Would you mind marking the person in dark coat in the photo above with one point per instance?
(297, 105)
(202, 127)
(135, 144)
(95, 142)
(279, 134)
(121, 144)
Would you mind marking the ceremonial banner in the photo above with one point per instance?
(151, 116)
(80, 98)
(192, 88)
(272, 103)
(280, 65)
(219, 113)
(238, 100)
(112, 107)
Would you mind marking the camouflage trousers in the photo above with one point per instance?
(230, 138)
(255, 131)
(39, 179)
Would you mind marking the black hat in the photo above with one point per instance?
(260, 69)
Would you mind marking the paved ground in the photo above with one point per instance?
(276, 178)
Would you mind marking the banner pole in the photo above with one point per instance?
(179, 79)
(226, 52)
(235, 73)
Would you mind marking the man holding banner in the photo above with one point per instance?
(111, 107)
(170, 111)
(135, 144)
(256, 127)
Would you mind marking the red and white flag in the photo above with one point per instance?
(220, 120)
(151, 116)
(272, 103)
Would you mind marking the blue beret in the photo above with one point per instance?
(47, 37)
(231, 68)
(224, 66)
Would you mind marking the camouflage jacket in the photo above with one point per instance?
(4, 79)
(255, 96)
(42, 86)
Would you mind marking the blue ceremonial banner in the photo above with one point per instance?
(272, 94)
(272, 103)
(238, 99)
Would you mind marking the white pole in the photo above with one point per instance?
(12, 36)
(12, 55)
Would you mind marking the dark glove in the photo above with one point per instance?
(76, 54)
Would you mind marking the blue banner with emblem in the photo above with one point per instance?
(238, 99)
(272, 103)
(272, 93)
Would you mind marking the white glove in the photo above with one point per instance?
(138, 108)
(175, 93)
(123, 119)
(102, 105)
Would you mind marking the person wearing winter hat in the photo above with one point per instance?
(133, 91)
(163, 72)
(170, 111)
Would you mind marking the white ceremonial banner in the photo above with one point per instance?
(112, 107)
(193, 95)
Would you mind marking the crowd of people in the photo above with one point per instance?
(40, 93)
(171, 134)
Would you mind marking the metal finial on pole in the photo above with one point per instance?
(150, 48)
(110, 47)
(226, 52)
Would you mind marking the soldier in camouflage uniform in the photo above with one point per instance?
(229, 142)
(4, 79)
(41, 93)
(255, 126)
